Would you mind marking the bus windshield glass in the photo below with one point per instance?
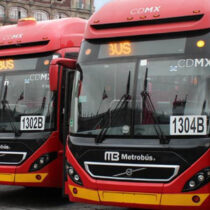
(148, 86)
(25, 96)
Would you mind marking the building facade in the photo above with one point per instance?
(12, 10)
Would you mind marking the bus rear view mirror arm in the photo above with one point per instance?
(54, 67)
(65, 62)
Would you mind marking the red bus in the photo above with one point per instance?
(31, 108)
(139, 128)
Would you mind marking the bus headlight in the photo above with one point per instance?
(73, 174)
(43, 161)
(71, 171)
(198, 180)
(201, 177)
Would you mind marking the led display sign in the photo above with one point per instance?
(24, 64)
(120, 48)
(129, 48)
(7, 64)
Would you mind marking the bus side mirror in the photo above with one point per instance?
(54, 66)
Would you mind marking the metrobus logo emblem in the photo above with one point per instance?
(112, 156)
(116, 156)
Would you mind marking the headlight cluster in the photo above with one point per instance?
(43, 161)
(73, 174)
(198, 180)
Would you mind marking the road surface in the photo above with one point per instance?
(21, 198)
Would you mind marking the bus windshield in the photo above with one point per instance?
(149, 86)
(25, 96)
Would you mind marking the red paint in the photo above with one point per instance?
(125, 12)
(63, 35)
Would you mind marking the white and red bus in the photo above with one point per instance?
(31, 99)
(140, 109)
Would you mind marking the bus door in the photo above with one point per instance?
(65, 93)
(6, 175)
(59, 69)
(69, 78)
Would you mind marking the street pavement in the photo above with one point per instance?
(21, 198)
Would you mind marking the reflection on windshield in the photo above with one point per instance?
(108, 110)
(180, 92)
(177, 84)
(27, 94)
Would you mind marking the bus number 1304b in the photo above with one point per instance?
(188, 125)
(32, 123)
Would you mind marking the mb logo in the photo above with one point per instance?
(111, 156)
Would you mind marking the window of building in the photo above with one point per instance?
(41, 15)
(81, 4)
(16, 13)
(1, 11)
(60, 15)
(87, 4)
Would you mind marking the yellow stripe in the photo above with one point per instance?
(126, 197)
(138, 198)
(7, 177)
(30, 178)
(84, 193)
(182, 199)
(109, 196)
(24, 178)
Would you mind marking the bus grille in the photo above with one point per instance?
(132, 172)
(12, 158)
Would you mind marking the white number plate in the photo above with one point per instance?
(188, 125)
(31, 123)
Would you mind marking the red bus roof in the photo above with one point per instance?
(29, 36)
(139, 17)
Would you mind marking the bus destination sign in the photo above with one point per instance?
(7, 64)
(120, 48)
(11, 64)
(124, 48)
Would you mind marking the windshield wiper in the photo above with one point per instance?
(148, 104)
(6, 107)
(100, 137)
(123, 101)
(21, 97)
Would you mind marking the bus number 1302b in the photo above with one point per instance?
(188, 125)
(30, 123)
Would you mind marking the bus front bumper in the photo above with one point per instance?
(138, 199)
